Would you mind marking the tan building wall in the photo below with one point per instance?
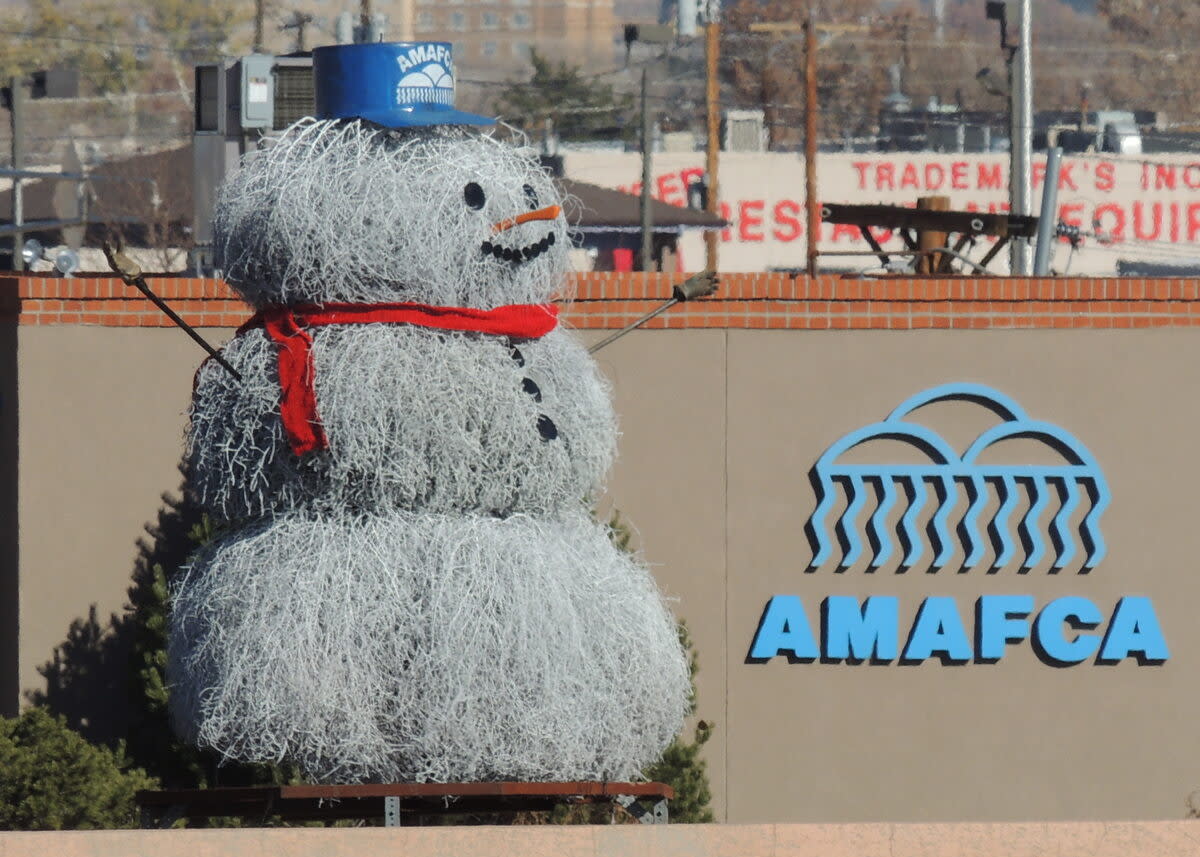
(1014, 740)
(722, 424)
(101, 416)
(10, 643)
(720, 434)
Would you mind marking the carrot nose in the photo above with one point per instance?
(548, 213)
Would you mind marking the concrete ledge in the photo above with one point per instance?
(1083, 839)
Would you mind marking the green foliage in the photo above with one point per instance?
(620, 533)
(50, 776)
(195, 32)
(115, 45)
(52, 35)
(151, 739)
(53, 779)
(580, 108)
(682, 766)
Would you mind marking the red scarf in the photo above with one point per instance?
(286, 327)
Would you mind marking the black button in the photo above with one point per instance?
(528, 385)
(546, 427)
(516, 355)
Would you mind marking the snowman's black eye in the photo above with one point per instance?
(473, 195)
(531, 197)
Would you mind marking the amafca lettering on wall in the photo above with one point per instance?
(1017, 517)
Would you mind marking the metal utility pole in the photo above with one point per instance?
(17, 119)
(1048, 221)
(299, 23)
(712, 52)
(647, 155)
(364, 18)
(1020, 176)
(260, 14)
(302, 22)
(811, 204)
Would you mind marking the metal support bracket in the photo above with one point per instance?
(870, 239)
(391, 812)
(657, 814)
(398, 804)
(694, 287)
(994, 252)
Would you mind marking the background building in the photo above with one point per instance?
(492, 38)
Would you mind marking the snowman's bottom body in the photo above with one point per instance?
(427, 648)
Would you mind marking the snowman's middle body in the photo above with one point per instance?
(416, 419)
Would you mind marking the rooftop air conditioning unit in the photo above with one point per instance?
(253, 94)
(238, 101)
(745, 131)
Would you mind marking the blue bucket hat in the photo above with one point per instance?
(394, 84)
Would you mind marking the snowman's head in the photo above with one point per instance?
(347, 211)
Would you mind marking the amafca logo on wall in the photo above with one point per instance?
(1022, 516)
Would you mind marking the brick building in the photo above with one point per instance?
(492, 38)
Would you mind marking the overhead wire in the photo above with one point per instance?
(62, 37)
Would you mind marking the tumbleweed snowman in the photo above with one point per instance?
(409, 585)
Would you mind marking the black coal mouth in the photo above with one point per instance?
(517, 255)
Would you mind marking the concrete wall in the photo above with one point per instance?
(1014, 740)
(1169, 839)
(720, 433)
(10, 648)
(102, 413)
(722, 426)
(669, 484)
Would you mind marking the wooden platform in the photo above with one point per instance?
(394, 803)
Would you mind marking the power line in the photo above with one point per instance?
(98, 43)
(1056, 47)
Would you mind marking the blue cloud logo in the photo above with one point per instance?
(944, 475)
